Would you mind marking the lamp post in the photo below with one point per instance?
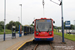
(20, 26)
(4, 17)
(21, 13)
(61, 3)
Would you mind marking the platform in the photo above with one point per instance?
(13, 44)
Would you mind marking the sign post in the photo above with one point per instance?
(67, 25)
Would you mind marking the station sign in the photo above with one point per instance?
(67, 23)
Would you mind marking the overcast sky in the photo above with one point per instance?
(34, 9)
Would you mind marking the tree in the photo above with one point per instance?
(2, 24)
(1, 28)
(12, 23)
(17, 25)
(31, 25)
(72, 26)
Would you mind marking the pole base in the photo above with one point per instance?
(63, 42)
(4, 36)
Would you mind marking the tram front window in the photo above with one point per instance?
(43, 26)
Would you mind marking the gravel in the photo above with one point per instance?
(70, 45)
(44, 47)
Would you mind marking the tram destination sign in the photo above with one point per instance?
(43, 20)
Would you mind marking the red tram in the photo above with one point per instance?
(43, 29)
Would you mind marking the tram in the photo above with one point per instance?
(43, 29)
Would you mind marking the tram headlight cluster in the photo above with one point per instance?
(50, 33)
(37, 33)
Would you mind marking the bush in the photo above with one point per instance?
(1, 29)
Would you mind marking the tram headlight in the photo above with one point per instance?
(50, 33)
(37, 33)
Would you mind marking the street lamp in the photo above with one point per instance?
(20, 26)
(21, 13)
(61, 3)
(4, 17)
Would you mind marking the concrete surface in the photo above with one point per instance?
(13, 44)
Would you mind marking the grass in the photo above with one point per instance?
(6, 31)
(67, 36)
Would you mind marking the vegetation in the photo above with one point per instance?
(8, 27)
(1, 25)
(6, 31)
(12, 23)
(67, 36)
(31, 25)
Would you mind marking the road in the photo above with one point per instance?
(8, 36)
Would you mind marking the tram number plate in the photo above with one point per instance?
(43, 39)
(41, 35)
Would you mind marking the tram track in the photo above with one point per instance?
(41, 45)
(35, 46)
(51, 46)
(46, 46)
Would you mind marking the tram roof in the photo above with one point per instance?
(28, 26)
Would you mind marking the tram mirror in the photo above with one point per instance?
(53, 21)
(33, 22)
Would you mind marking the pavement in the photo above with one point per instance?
(13, 44)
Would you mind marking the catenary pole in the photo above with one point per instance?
(61, 4)
(62, 20)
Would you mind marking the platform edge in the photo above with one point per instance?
(23, 44)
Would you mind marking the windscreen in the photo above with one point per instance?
(43, 25)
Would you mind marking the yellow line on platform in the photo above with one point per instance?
(24, 43)
(20, 43)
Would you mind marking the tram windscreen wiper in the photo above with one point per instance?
(37, 28)
(49, 28)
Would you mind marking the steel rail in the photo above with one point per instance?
(36, 47)
(51, 46)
